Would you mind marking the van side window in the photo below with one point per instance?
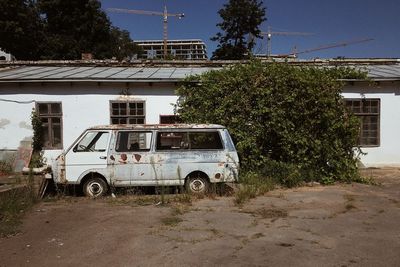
(93, 141)
(205, 140)
(188, 140)
(172, 140)
(133, 141)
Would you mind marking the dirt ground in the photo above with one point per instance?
(340, 225)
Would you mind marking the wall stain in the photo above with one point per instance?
(25, 125)
(3, 123)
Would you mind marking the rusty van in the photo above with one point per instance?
(193, 156)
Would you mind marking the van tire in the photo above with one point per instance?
(95, 187)
(197, 185)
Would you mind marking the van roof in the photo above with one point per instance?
(155, 126)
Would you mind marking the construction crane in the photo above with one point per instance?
(270, 33)
(164, 14)
(323, 47)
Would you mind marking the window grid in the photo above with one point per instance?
(368, 110)
(50, 113)
(127, 112)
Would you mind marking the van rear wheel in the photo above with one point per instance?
(95, 187)
(197, 185)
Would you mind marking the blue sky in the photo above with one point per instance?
(330, 21)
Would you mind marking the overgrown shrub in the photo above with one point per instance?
(279, 113)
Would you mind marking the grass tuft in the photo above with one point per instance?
(252, 186)
(13, 204)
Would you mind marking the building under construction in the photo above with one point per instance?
(192, 49)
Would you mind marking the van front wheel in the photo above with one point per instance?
(95, 187)
(197, 185)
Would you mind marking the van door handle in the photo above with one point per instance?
(103, 157)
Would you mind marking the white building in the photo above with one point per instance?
(70, 99)
(187, 49)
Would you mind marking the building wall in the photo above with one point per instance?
(87, 104)
(388, 152)
(83, 105)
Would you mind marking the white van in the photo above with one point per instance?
(148, 155)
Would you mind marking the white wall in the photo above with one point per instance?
(83, 105)
(388, 152)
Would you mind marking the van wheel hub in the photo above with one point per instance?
(197, 185)
(95, 187)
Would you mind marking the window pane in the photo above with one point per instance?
(56, 133)
(55, 108)
(133, 141)
(90, 140)
(172, 140)
(169, 119)
(102, 142)
(205, 140)
(46, 138)
(43, 109)
(122, 108)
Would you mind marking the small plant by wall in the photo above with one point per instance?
(37, 159)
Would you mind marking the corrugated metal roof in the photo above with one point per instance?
(103, 74)
(145, 74)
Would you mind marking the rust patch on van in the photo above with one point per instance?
(123, 159)
(137, 157)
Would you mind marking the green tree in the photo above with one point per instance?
(74, 27)
(21, 29)
(123, 46)
(80, 26)
(240, 22)
(279, 112)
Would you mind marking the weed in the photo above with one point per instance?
(282, 244)
(271, 213)
(179, 210)
(171, 221)
(257, 235)
(350, 206)
(6, 166)
(133, 200)
(13, 204)
(349, 197)
(369, 180)
(252, 185)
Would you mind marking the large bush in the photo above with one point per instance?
(279, 113)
